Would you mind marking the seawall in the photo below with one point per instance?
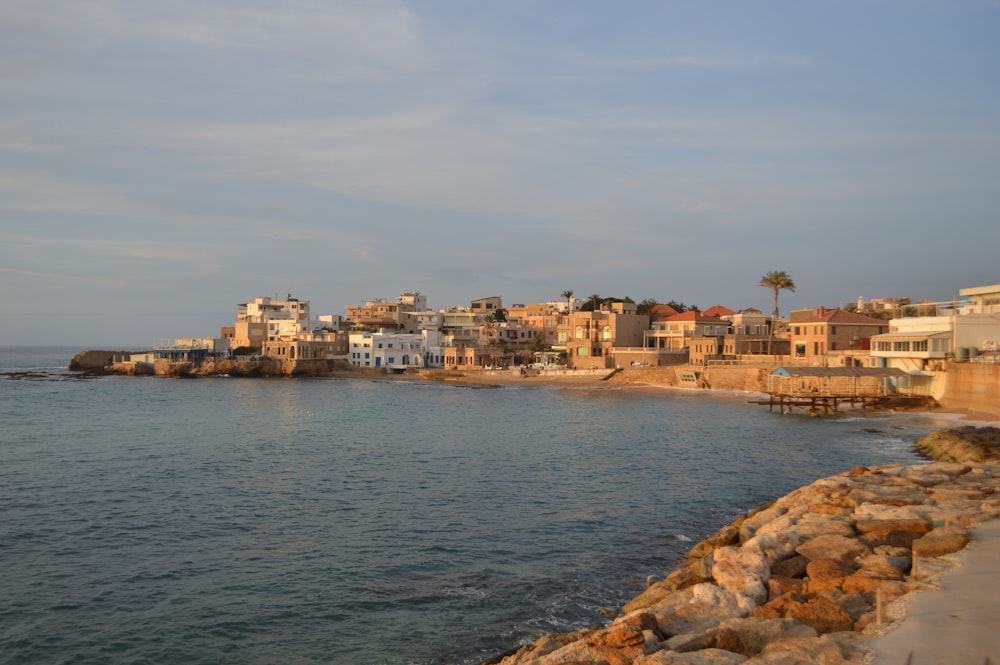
(973, 387)
(811, 577)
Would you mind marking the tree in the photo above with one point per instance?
(645, 306)
(776, 280)
(568, 295)
(593, 303)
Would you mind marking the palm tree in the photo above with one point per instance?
(568, 295)
(776, 280)
(595, 301)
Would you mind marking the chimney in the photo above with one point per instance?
(822, 310)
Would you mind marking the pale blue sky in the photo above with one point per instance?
(162, 161)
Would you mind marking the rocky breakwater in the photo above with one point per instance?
(807, 579)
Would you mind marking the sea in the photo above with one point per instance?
(232, 520)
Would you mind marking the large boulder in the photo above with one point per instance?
(742, 569)
(839, 548)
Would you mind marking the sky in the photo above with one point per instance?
(163, 161)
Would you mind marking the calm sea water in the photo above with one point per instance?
(151, 520)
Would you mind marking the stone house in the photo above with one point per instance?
(590, 338)
(676, 332)
(833, 333)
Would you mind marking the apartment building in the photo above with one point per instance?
(835, 332)
(590, 337)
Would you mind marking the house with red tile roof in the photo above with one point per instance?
(676, 332)
(718, 312)
(660, 312)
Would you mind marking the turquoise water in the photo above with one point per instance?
(151, 520)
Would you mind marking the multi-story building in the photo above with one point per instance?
(253, 317)
(386, 350)
(384, 314)
(835, 332)
(591, 337)
(675, 333)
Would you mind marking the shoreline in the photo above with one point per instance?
(826, 573)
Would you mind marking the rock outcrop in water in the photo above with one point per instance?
(806, 579)
(962, 444)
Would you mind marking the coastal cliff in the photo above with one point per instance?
(808, 578)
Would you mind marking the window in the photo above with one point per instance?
(833, 330)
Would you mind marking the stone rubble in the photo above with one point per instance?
(807, 579)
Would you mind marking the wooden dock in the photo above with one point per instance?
(815, 404)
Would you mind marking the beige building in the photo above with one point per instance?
(385, 314)
(835, 332)
(590, 337)
(252, 318)
(676, 332)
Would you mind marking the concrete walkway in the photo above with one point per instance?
(958, 624)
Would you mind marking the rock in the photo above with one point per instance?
(822, 614)
(811, 525)
(775, 546)
(727, 535)
(825, 574)
(839, 548)
(822, 650)
(855, 604)
(759, 518)
(704, 638)
(940, 542)
(743, 570)
(779, 586)
(703, 657)
(698, 606)
(748, 637)
(792, 567)
(884, 567)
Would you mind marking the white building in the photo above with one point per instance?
(386, 350)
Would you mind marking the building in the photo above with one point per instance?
(253, 317)
(384, 314)
(590, 338)
(835, 332)
(676, 332)
(386, 350)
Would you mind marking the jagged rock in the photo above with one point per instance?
(775, 546)
(727, 535)
(748, 637)
(758, 518)
(822, 614)
(778, 585)
(792, 567)
(703, 657)
(684, 610)
(742, 569)
(825, 574)
(698, 639)
(811, 525)
(884, 567)
(855, 604)
(839, 548)
(822, 650)
(940, 542)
